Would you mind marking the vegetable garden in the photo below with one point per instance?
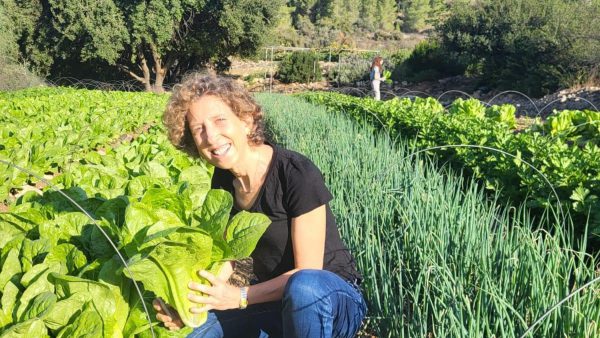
(440, 256)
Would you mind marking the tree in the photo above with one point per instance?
(386, 14)
(527, 45)
(368, 10)
(148, 40)
(416, 14)
(8, 39)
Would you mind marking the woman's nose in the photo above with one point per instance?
(210, 134)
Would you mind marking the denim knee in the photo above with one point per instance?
(302, 288)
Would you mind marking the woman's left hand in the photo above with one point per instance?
(218, 296)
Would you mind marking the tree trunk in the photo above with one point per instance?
(145, 71)
(159, 71)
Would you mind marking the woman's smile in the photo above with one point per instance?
(222, 150)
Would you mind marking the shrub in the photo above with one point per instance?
(15, 76)
(350, 70)
(300, 67)
(527, 45)
(427, 61)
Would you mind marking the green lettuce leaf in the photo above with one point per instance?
(40, 306)
(10, 292)
(244, 231)
(10, 267)
(31, 328)
(89, 324)
(171, 265)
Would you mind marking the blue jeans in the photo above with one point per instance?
(316, 303)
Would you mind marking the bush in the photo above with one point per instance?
(300, 67)
(527, 45)
(351, 69)
(427, 61)
(16, 76)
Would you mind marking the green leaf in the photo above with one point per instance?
(65, 311)
(27, 329)
(139, 184)
(164, 199)
(40, 285)
(11, 267)
(113, 210)
(68, 257)
(64, 227)
(171, 265)
(33, 252)
(104, 299)
(244, 231)
(154, 169)
(199, 184)
(214, 215)
(40, 306)
(88, 324)
(10, 293)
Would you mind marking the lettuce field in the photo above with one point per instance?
(100, 214)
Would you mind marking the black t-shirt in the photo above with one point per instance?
(293, 186)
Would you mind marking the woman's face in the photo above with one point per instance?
(220, 136)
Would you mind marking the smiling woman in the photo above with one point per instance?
(307, 284)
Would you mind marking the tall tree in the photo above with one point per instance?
(8, 39)
(416, 14)
(148, 39)
(368, 13)
(386, 14)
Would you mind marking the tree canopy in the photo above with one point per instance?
(149, 40)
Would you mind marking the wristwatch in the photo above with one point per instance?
(243, 297)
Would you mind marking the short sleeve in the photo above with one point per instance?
(305, 188)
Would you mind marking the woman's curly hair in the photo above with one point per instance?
(197, 85)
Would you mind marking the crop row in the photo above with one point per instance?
(548, 163)
(438, 258)
(43, 130)
(60, 275)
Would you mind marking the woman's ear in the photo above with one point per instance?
(248, 126)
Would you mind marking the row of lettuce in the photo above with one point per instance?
(439, 258)
(551, 163)
(43, 130)
(63, 252)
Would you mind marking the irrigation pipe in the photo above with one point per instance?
(139, 292)
(547, 313)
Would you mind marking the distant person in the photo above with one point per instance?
(376, 76)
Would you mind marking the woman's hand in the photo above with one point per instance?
(167, 315)
(218, 296)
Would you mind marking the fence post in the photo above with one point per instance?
(271, 72)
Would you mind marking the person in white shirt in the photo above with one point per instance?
(376, 76)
